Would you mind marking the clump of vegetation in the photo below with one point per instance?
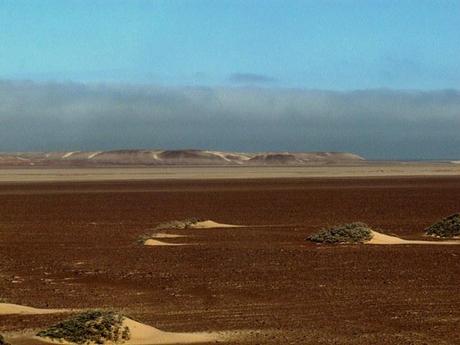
(142, 238)
(3, 341)
(90, 327)
(347, 233)
(446, 227)
(179, 224)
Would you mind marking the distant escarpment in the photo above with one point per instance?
(175, 157)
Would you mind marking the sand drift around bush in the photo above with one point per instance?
(100, 327)
(361, 233)
(379, 238)
(194, 224)
(106, 327)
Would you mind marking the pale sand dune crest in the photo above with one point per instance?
(153, 239)
(209, 224)
(9, 309)
(379, 238)
(194, 224)
(143, 334)
(153, 242)
(166, 235)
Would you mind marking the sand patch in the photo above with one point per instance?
(210, 224)
(379, 238)
(153, 242)
(155, 239)
(144, 334)
(194, 224)
(165, 235)
(9, 309)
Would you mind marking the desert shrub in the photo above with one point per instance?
(90, 327)
(142, 238)
(446, 227)
(3, 341)
(178, 224)
(346, 233)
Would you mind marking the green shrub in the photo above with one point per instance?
(346, 233)
(142, 238)
(3, 341)
(446, 227)
(90, 327)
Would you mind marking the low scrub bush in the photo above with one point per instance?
(346, 233)
(178, 224)
(446, 227)
(3, 341)
(90, 327)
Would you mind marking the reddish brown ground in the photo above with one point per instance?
(74, 245)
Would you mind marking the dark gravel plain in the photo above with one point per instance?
(74, 245)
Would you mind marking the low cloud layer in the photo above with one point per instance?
(378, 124)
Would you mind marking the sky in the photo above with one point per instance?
(385, 67)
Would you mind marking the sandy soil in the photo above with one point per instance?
(74, 245)
(198, 173)
(379, 238)
(144, 334)
(210, 224)
(11, 309)
(153, 242)
(166, 235)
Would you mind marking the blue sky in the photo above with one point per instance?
(340, 45)
(377, 78)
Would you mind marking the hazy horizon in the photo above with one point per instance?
(377, 124)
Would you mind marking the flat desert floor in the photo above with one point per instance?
(75, 245)
(51, 174)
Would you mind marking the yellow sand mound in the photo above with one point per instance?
(209, 224)
(152, 242)
(378, 238)
(165, 235)
(7, 309)
(193, 224)
(143, 334)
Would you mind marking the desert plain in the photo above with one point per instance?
(72, 242)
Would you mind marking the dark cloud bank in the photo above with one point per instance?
(378, 124)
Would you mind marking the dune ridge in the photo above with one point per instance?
(175, 157)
